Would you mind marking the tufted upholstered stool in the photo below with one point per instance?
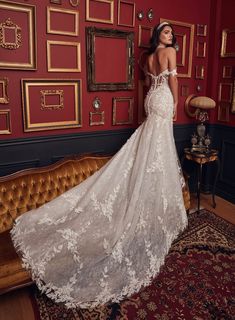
(29, 189)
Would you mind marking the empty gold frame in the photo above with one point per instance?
(142, 42)
(188, 44)
(4, 98)
(93, 115)
(223, 111)
(61, 110)
(54, 94)
(132, 22)
(6, 114)
(201, 30)
(97, 19)
(227, 71)
(77, 63)
(228, 37)
(225, 92)
(9, 27)
(201, 49)
(24, 58)
(130, 101)
(184, 90)
(74, 15)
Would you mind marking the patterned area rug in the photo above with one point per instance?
(196, 282)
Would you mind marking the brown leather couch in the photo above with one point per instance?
(30, 188)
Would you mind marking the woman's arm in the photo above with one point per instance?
(173, 82)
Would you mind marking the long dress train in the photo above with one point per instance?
(105, 238)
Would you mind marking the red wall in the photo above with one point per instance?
(194, 12)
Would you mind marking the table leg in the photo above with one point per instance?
(217, 161)
(199, 179)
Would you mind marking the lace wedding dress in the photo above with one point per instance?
(104, 239)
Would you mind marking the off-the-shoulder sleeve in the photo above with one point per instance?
(173, 72)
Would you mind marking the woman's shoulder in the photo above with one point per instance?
(170, 50)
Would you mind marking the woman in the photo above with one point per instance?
(107, 237)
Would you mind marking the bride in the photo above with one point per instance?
(104, 239)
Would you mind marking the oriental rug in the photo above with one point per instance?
(196, 282)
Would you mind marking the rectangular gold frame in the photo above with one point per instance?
(130, 110)
(30, 10)
(6, 112)
(233, 101)
(199, 72)
(88, 18)
(190, 57)
(96, 123)
(119, 8)
(63, 43)
(5, 98)
(202, 32)
(45, 93)
(140, 35)
(198, 49)
(223, 52)
(227, 72)
(67, 11)
(28, 126)
(182, 64)
(184, 90)
(230, 85)
(226, 106)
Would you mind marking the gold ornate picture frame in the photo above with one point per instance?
(20, 53)
(223, 111)
(4, 97)
(75, 56)
(116, 102)
(109, 3)
(201, 49)
(62, 14)
(201, 30)
(93, 118)
(124, 3)
(187, 29)
(228, 37)
(144, 35)
(225, 92)
(6, 113)
(50, 104)
(121, 51)
(227, 72)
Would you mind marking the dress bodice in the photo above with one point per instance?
(161, 78)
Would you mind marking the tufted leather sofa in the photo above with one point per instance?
(29, 189)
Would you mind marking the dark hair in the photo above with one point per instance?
(154, 40)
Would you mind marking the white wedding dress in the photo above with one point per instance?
(104, 239)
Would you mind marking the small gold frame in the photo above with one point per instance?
(119, 11)
(130, 110)
(233, 101)
(201, 30)
(63, 43)
(74, 13)
(182, 63)
(199, 72)
(230, 85)
(184, 90)
(7, 114)
(227, 71)
(201, 49)
(8, 24)
(96, 123)
(140, 44)
(45, 93)
(223, 111)
(4, 84)
(89, 18)
(223, 52)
